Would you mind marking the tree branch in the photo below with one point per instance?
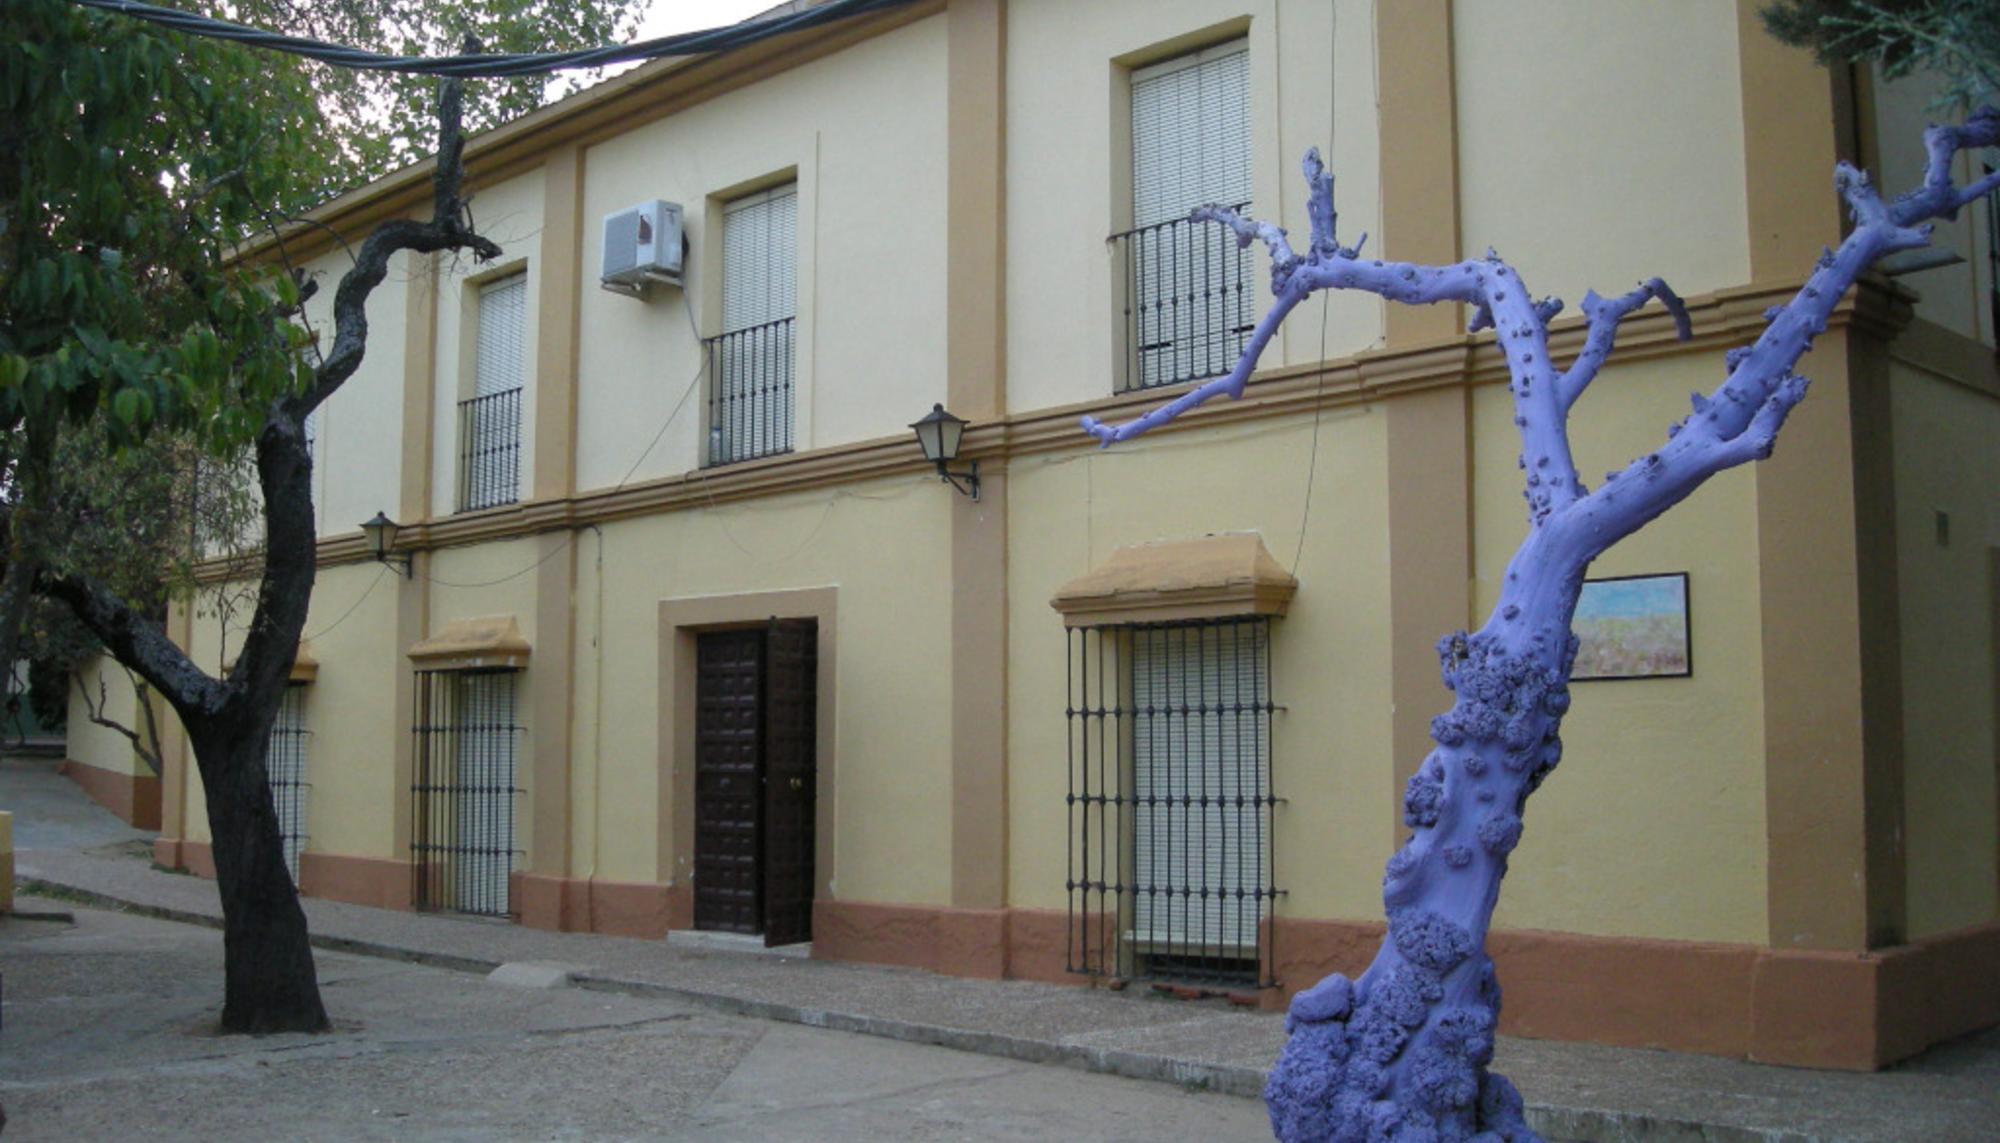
(1740, 421)
(449, 228)
(139, 645)
(1605, 317)
(95, 712)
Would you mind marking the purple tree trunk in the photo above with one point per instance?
(1402, 1052)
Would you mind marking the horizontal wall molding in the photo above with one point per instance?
(1720, 321)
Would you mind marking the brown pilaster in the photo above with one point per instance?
(1826, 529)
(550, 675)
(413, 505)
(175, 757)
(1419, 131)
(1430, 562)
(560, 272)
(975, 388)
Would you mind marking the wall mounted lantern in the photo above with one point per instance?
(381, 533)
(939, 433)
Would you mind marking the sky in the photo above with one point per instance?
(667, 17)
(670, 17)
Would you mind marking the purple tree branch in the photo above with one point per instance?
(1604, 318)
(1402, 1052)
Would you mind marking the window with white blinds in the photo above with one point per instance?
(1191, 133)
(752, 361)
(1190, 300)
(1200, 777)
(490, 421)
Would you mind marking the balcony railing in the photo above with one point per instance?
(1189, 302)
(750, 392)
(489, 450)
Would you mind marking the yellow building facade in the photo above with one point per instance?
(636, 588)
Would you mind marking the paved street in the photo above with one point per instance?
(109, 1034)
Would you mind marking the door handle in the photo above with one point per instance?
(798, 784)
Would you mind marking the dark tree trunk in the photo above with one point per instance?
(270, 983)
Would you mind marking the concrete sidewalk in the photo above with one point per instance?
(1577, 1092)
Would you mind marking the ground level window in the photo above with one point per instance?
(463, 795)
(1170, 802)
(285, 766)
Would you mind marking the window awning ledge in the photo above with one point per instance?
(492, 641)
(305, 668)
(1208, 578)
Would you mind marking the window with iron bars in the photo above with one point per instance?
(1171, 810)
(489, 422)
(1189, 289)
(751, 363)
(285, 767)
(463, 792)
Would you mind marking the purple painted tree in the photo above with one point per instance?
(1402, 1052)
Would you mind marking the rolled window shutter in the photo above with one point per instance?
(754, 364)
(1200, 768)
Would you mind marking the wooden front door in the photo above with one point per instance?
(755, 717)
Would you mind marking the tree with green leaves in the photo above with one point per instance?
(1957, 40)
(368, 123)
(133, 163)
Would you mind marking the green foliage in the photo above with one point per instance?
(1958, 39)
(370, 123)
(132, 161)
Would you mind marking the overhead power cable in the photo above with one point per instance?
(495, 64)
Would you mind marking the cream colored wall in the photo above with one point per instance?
(1601, 144)
(862, 132)
(884, 546)
(1330, 750)
(99, 746)
(1653, 826)
(1957, 296)
(1068, 155)
(352, 730)
(1947, 447)
(357, 464)
(509, 213)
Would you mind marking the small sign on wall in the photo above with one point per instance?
(1633, 627)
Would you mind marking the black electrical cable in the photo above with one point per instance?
(494, 64)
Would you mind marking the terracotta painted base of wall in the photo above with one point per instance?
(196, 857)
(957, 942)
(1806, 1009)
(135, 798)
(375, 881)
(613, 908)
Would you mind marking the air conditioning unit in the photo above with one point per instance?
(642, 246)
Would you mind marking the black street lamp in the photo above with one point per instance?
(381, 533)
(939, 433)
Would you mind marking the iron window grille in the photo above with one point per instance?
(750, 403)
(1189, 301)
(1170, 806)
(489, 456)
(285, 768)
(462, 834)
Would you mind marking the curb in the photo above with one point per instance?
(1555, 1124)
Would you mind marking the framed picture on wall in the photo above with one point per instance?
(1633, 627)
